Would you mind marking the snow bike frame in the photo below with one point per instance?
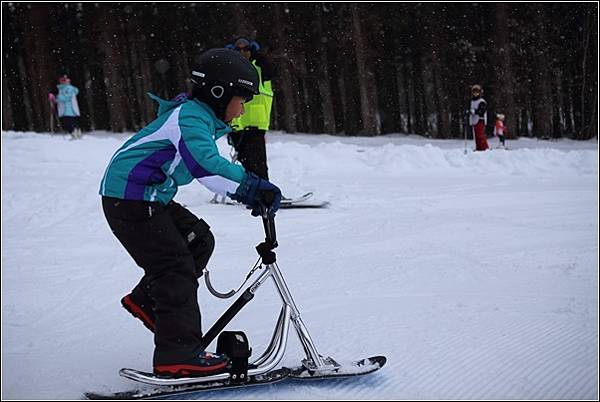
(289, 311)
(289, 314)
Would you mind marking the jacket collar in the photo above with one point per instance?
(221, 128)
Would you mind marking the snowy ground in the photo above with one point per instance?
(476, 275)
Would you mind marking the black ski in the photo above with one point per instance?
(150, 392)
(304, 201)
(320, 204)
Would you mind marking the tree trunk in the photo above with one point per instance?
(438, 69)
(403, 110)
(409, 91)
(89, 97)
(366, 77)
(505, 79)
(39, 72)
(418, 96)
(323, 80)
(29, 123)
(542, 80)
(109, 44)
(7, 113)
(346, 123)
(284, 83)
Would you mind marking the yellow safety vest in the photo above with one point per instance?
(258, 110)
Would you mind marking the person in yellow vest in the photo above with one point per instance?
(248, 137)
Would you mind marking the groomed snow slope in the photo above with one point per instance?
(476, 275)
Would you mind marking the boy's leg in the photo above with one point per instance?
(148, 233)
(196, 233)
(139, 303)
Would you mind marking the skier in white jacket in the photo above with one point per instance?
(478, 118)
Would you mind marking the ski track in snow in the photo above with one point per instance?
(476, 275)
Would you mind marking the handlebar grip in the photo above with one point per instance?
(268, 197)
(268, 225)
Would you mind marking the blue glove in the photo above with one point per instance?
(254, 192)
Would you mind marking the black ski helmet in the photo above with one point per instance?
(221, 74)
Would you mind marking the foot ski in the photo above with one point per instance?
(158, 391)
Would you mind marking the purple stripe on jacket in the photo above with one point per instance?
(195, 169)
(148, 171)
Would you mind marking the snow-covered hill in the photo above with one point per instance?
(476, 275)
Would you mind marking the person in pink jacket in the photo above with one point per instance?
(499, 129)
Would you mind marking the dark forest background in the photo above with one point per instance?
(344, 68)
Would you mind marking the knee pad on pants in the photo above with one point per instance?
(201, 243)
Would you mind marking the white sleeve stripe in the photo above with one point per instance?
(219, 184)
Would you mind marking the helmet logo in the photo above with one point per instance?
(245, 82)
(217, 91)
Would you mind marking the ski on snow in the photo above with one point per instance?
(361, 367)
(304, 201)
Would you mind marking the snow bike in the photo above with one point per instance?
(263, 369)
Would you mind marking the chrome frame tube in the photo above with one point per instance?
(307, 343)
(279, 350)
(276, 336)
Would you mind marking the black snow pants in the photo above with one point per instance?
(172, 246)
(69, 123)
(252, 151)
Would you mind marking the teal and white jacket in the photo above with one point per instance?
(171, 151)
(66, 100)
